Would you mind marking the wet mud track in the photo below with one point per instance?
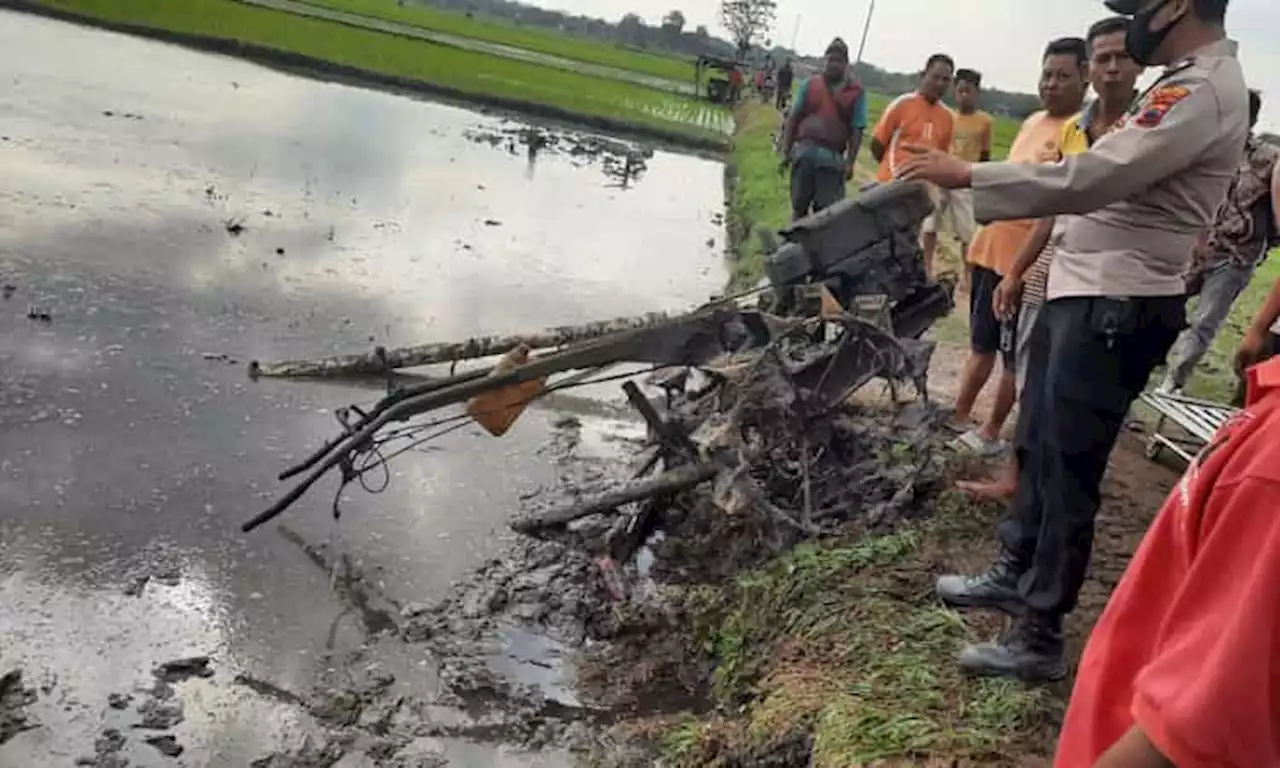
(168, 218)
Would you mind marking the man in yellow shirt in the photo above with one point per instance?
(971, 141)
(1113, 74)
(995, 249)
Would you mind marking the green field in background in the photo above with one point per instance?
(534, 39)
(467, 71)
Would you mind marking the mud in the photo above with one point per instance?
(552, 643)
(620, 162)
(14, 698)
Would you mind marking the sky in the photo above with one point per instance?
(1001, 38)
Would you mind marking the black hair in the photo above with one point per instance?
(970, 76)
(1214, 11)
(838, 46)
(1069, 46)
(1255, 106)
(940, 58)
(1108, 26)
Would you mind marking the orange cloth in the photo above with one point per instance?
(910, 120)
(996, 245)
(971, 135)
(1188, 647)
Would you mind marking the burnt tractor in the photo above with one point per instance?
(866, 254)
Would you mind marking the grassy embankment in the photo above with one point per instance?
(672, 67)
(844, 641)
(607, 102)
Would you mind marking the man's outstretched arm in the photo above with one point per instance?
(1175, 126)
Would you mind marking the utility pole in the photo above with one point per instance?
(866, 27)
(795, 32)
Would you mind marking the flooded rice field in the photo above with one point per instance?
(165, 216)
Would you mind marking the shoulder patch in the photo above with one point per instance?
(1158, 103)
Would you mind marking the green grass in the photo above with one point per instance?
(470, 72)
(760, 198)
(1215, 377)
(844, 641)
(671, 67)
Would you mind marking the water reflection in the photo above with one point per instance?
(128, 441)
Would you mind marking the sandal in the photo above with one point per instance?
(972, 442)
(960, 427)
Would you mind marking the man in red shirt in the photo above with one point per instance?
(1183, 667)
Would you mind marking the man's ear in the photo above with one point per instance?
(1173, 12)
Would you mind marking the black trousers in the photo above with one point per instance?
(1089, 359)
(814, 187)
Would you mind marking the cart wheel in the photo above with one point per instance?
(1154, 449)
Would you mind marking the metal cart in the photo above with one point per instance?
(1198, 420)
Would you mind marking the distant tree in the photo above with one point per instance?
(748, 21)
(672, 27)
(631, 29)
(701, 31)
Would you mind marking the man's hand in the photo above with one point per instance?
(1194, 283)
(1252, 347)
(1007, 298)
(940, 168)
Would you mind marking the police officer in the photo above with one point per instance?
(1138, 198)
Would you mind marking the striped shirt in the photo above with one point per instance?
(1074, 140)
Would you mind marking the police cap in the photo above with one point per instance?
(1126, 7)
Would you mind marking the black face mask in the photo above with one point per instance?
(1140, 41)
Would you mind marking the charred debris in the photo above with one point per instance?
(747, 399)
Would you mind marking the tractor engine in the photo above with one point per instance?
(866, 252)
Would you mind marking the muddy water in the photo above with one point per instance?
(166, 216)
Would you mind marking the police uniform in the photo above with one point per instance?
(1137, 201)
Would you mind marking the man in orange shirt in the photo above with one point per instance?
(971, 141)
(1063, 81)
(918, 119)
